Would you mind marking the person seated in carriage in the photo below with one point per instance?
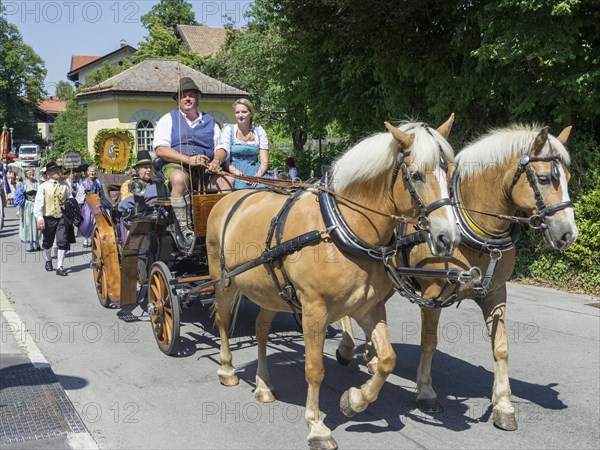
(141, 181)
(188, 140)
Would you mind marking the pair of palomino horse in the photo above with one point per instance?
(400, 175)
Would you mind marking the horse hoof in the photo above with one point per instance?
(343, 361)
(429, 405)
(505, 421)
(264, 397)
(320, 443)
(345, 407)
(228, 380)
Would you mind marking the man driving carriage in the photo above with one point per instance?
(189, 140)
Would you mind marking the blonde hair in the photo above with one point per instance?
(248, 104)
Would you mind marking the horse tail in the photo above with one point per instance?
(238, 297)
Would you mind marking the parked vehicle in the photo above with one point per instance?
(30, 154)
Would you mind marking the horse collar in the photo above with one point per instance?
(474, 235)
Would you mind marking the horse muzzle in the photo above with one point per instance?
(443, 238)
(560, 234)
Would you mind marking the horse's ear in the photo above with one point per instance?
(405, 140)
(539, 142)
(445, 128)
(564, 135)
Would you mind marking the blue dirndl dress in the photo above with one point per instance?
(244, 157)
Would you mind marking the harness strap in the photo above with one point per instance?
(344, 237)
(481, 287)
(235, 207)
(287, 292)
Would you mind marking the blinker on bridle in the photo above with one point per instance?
(536, 221)
(423, 209)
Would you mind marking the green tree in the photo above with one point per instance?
(22, 74)
(64, 90)
(169, 13)
(70, 130)
(246, 62)
(162, 43)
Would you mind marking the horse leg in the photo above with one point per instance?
(374, 323)
(426, 396)
(345, 350)
(493, 308)
(223, 302)
(314, 327)
(264, 390)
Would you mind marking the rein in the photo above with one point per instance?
(293, 184)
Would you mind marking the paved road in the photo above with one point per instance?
(129, 395)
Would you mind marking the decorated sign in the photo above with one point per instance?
(3, 144)
(71, 160)
(113, 150)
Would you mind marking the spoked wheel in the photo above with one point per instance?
(163, 308)
(98, 270)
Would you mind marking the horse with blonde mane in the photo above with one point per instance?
(519, 169)
(381, 180)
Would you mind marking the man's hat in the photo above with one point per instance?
(143, 157)
(186, 84)
(51, 166)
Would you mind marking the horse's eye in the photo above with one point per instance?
(543, 179)
(417, 176)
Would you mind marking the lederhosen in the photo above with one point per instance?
(55, 195)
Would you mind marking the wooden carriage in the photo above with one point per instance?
(142, 255)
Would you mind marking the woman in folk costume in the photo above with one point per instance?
(247, 144)
(91, 185)
(24, 200)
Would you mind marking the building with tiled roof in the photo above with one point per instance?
(138, 97)
(204, 41)
(82, 65)
(45, 114)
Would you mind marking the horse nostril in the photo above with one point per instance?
(567, 237)
(444, 241)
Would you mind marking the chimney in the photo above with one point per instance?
(123, 43)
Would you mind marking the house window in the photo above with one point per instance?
(144, 135)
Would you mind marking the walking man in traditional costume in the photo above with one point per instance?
(48, 211)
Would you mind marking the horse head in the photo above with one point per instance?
(539, 187)
(422, 190)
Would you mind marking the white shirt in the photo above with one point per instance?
(162, 132)
(38, 204)
(260, 138)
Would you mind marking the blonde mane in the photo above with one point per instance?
(377, 153)
(500, 145)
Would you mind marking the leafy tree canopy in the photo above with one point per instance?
(64, 90)
(22, 74)
(162, 43)
(169, 13)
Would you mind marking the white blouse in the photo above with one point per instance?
(260, 137)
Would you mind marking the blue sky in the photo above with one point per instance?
(58, 29)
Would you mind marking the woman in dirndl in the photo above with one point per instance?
(91, 185)
(24, 200)
(248, 145)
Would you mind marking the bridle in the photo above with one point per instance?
(537, 221)
(423, 210)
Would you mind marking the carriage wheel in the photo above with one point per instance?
(98, 271)
(163, 308)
